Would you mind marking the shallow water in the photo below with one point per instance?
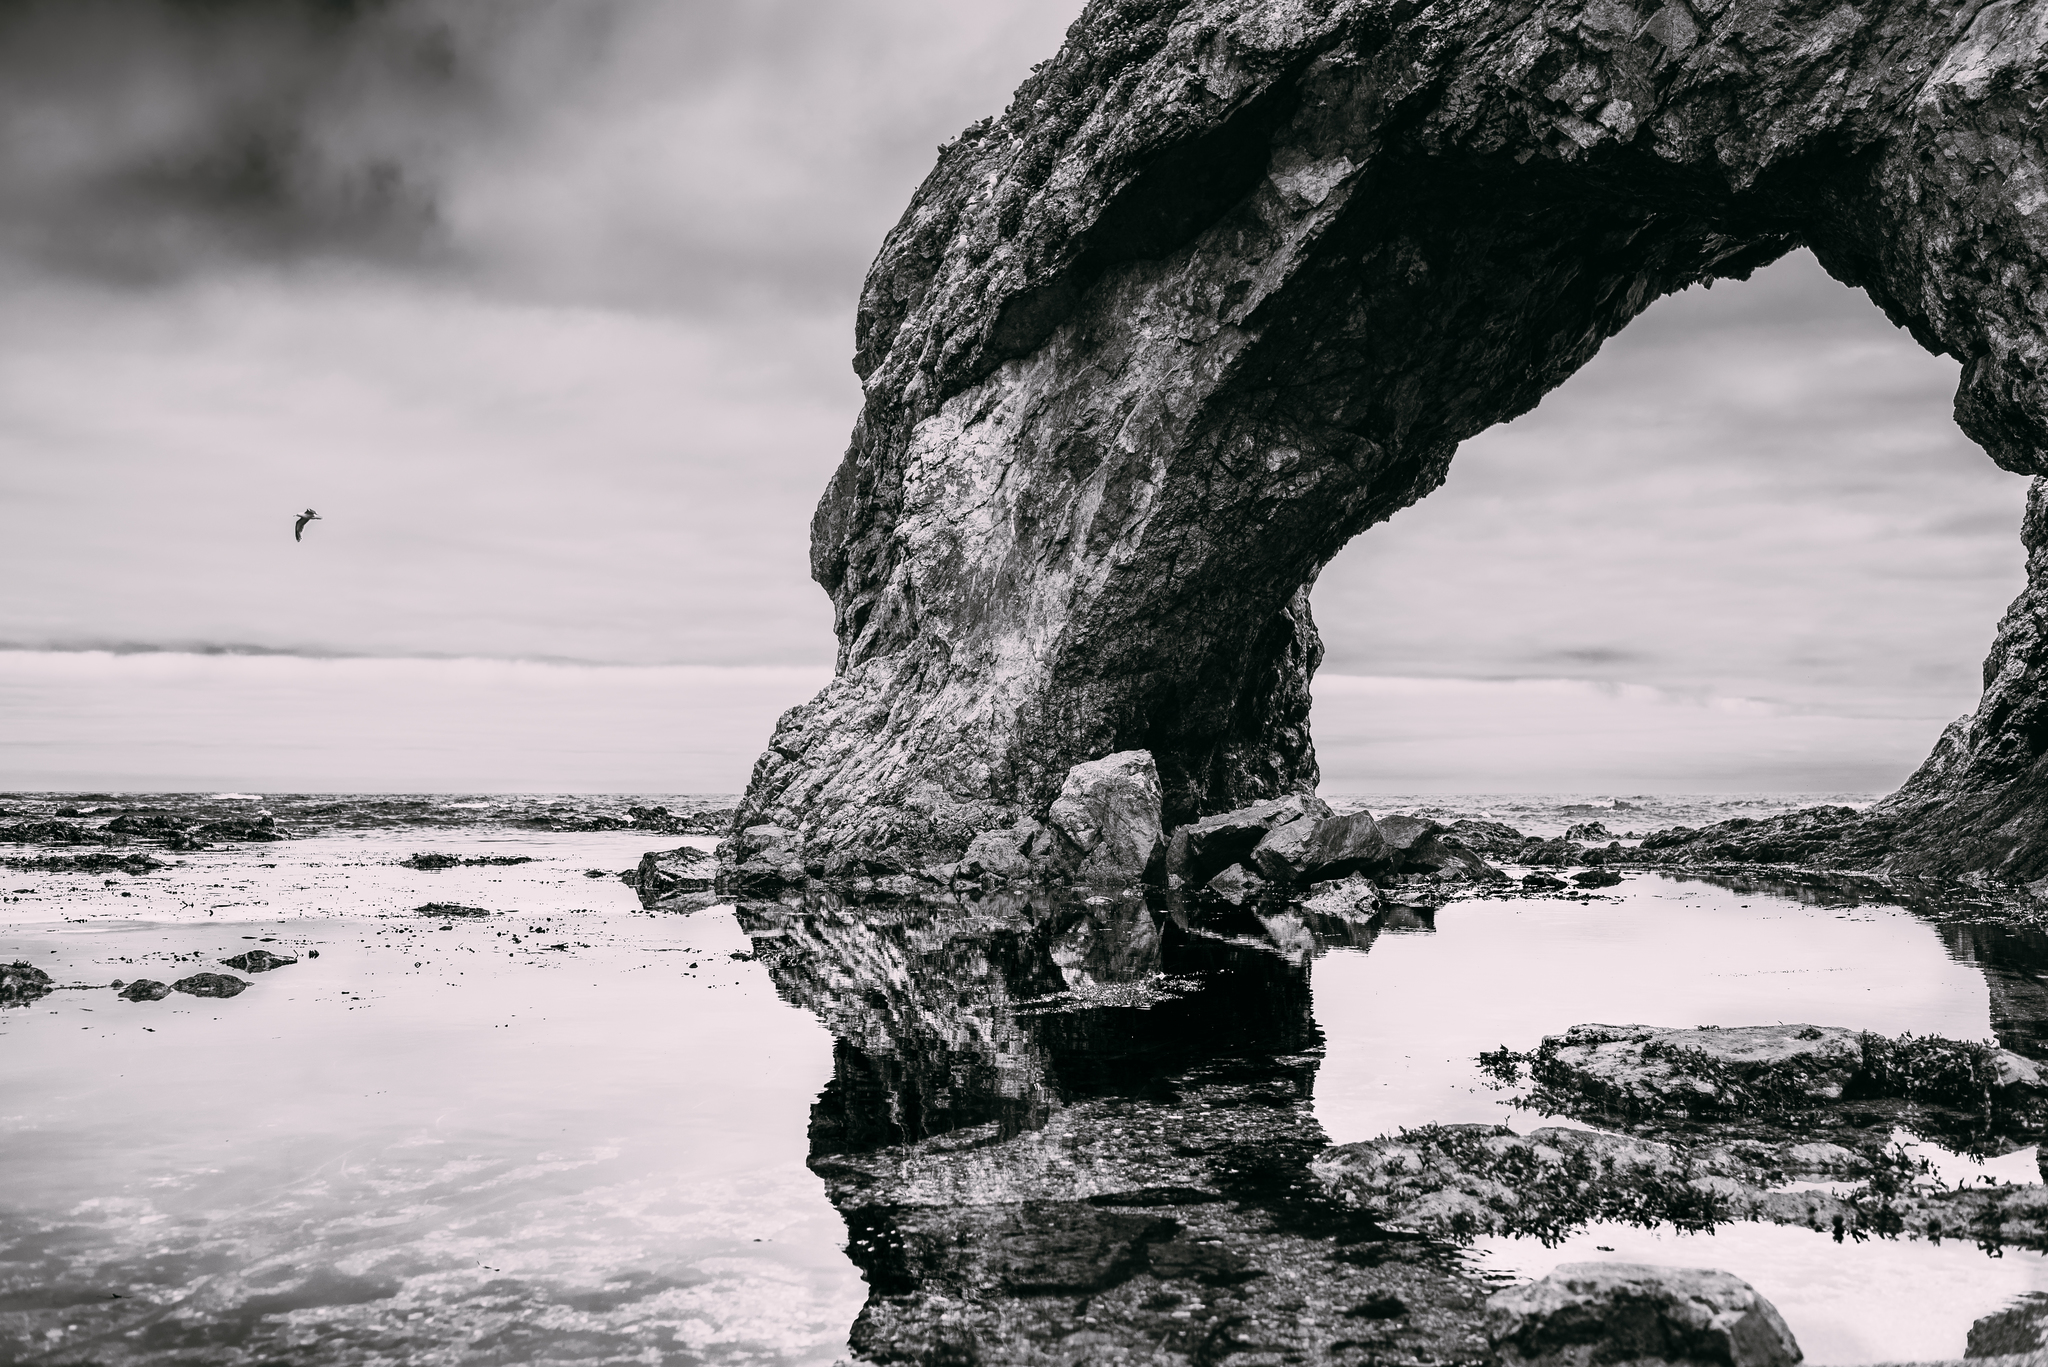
(429, 1144)
(1404, 1022)
(593, 1143)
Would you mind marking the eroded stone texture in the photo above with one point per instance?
(1227, 284)
(1977, 804)
(1614, 1312)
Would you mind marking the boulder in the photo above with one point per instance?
(210, 985)
(2021, 1327)
(1587, 1313)
(1109, 810)
(1202, 849)
(1235, 885)
(54, 833)
(1355, 898)
(1588, 830)
(1488, 839)
(144, 990)
(1597, 878)
(1557, 854)
(257, 961)
(1542, 882)
(21, 982)
(663, 874)
(1027, 850)
(764, 857)
(1283, 853)
(1346, 845)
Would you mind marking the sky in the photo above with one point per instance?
(548, 310)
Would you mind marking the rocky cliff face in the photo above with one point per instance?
(1228, 283)
(1980, 802)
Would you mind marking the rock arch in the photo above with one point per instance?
(1231, 279)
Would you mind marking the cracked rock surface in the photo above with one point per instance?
(1228, 283)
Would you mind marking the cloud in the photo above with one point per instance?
(1562, 735)
(638, 153)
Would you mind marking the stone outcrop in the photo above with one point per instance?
(672, 880)
(1227, 285)
(1980, 802)
(1628, 1312)
(1108, 810)
(22, 982)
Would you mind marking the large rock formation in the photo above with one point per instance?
(1228, 283)
(1980, 802)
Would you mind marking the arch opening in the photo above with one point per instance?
(1745, 549)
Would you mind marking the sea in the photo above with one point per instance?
(501, 1112)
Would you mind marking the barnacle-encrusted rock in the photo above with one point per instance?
(1227, 284)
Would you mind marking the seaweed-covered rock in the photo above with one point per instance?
(1834, 836)
(22, 982)
(144, 990)
(1109, 809)
(445, 909)
(1628, 1312)
(429, 861)
(1774, 1070)
(211, 985)
(54, 833)
(245, 828)
(134, 864)
(257, 961)
(1556, 854)
(1462, 1182)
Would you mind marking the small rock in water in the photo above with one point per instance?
(1627, 1312)
(2021, 1327)
(1597, 878)
(145, 990)
(258, 961)
(431, 861)
(666, 874)
(210, 985)
(23, 982)
(448, 909)
(1545, 881)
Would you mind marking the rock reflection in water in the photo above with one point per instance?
(1062, 1127)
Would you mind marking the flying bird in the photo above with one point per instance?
(299, 527)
